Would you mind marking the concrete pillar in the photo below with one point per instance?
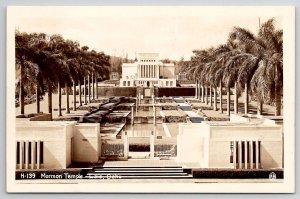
(256, 155)
(26, 154)
(153, 67)
(152, 145)
(21, 155)
(234, 154)
(38, 161)
(126, 147)
(240, 154)
(246, 154)
(33, 152)
(251, 153)
(132, 118)
(141, 70)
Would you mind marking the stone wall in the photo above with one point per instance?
(56, 139)
(86, 143)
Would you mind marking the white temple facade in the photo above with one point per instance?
(148, 71)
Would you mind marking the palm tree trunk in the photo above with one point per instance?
(236, 102)
(74, 96)
(228, 101)
(206, 95)
(246, 99)
(21, 95)
(196, 89)
(89, 89)
(215, 99)
(202, 92)
(79, 89)
(37, 97)
(59, 99)
(277, 100)
(210, 96)
(50, 99)
(199, 90)
(259, 107)
(93, 87)
(96, 80)
(85, 91)
(221, 98)
(67, 95)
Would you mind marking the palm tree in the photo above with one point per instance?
(263, 68)
(27, 70)
(57, 45)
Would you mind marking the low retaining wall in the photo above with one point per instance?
(176, 91)
(159, 92)
(117, 91)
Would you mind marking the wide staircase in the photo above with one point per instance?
(157, 172)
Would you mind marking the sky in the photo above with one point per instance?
(173, 32)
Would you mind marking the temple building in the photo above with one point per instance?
(148, 71)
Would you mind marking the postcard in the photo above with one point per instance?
(150, 99)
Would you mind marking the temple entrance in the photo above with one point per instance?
(148, 84)
(147, 92)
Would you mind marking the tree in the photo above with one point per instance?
(263, 68)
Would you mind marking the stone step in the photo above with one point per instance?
(138, 177)
(138, 174)
(149, 172)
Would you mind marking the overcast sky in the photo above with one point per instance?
(172, 32)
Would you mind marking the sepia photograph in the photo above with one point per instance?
(156, 99)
